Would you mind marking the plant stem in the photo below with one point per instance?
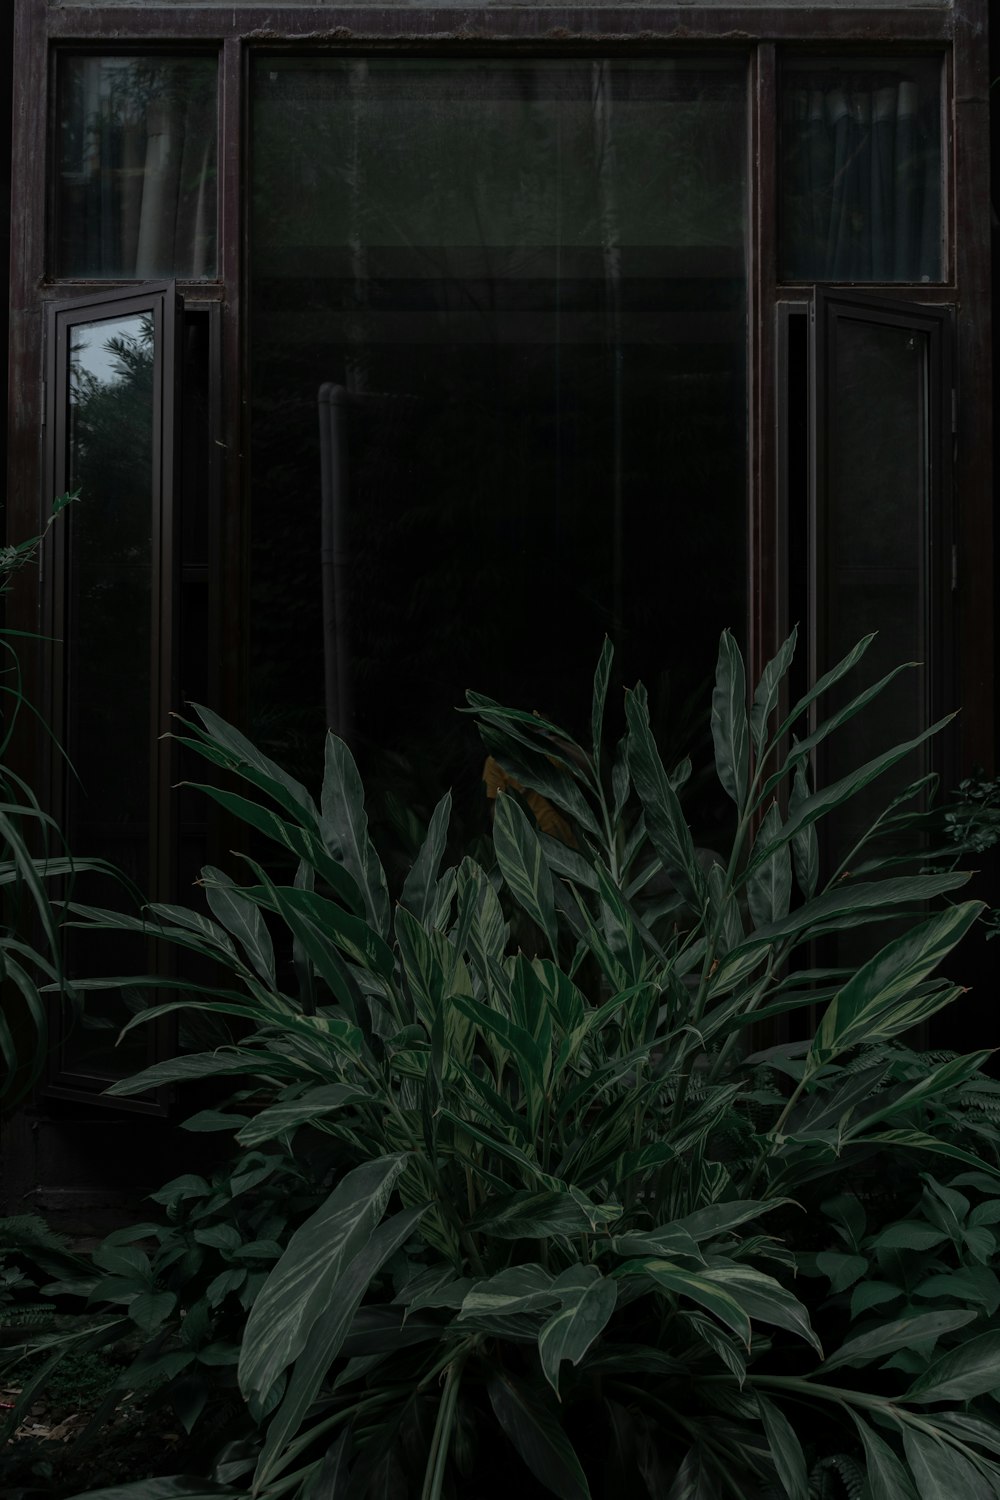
(441, 1441)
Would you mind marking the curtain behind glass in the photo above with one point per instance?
(860, 173)
(136, 194)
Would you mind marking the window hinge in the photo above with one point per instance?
(954, 567)
(45, 400)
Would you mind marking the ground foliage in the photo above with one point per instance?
(543, 1217)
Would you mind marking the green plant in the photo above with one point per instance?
(32, 855)
(30, 1253)
(973, 820)
(566, 1209)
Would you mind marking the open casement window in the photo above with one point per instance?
(112, 588)
(881, 545)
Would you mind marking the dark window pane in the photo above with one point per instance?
(513, 293)
(860, 170)
(110, 441)
(877, 542)
(136, 191)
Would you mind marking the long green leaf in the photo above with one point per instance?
(588, 1301)
(301, 842)
(344, 825)
(970, 1370)
(694, 1285)
(220, 1063)
(240, 916)
(602, 676)
(919, 1140)
(544, 774)
(848, 900)
(693, 1480)
(302, 1110)
(769, 888)
(247, 761)
(719, 1218)
(786, 1450)
(666, 1241)
(940, 1472)
(352, 935)
(887, 1476)
(833, 796)
(903, 1333)
(531, 1215)
(824, 683)
(313, 937)
(420, 886)
(730, 730)
(304, 1280)
(804, 843)
(534, 1430)
(883, 998)
(328, 1331)
(522, 864)
(763, 1298)
(665, 821)
(517, 1289)
(940, 1080)
(850, 710)
(765, 699)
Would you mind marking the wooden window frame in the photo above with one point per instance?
(882, 310)
(764, 32)
(160, 301)
(954, 31)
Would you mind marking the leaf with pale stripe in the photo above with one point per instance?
(695, 1286)
(588, 1301)
(420, 886)
(344, 825)
(941, 1472)
(902, 1333)
(828, 798)
(973, 1369)
(765, 699)
(290, 1113)
(241, 916)
(786, 1450)
(327, 1334)
(769, 888)
(730, 733)
(882, 998)
(522, 864)
(667, 827)
(304, 1280)
(887, 1475)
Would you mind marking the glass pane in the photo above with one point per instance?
(860, 170)
(877, 547)
(514, 293)
(136, 189)
(109, 606)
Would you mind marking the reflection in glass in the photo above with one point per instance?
(520, 288)
(136, 191)
(860, 171)
(877, 546)
(110, 453)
